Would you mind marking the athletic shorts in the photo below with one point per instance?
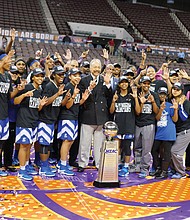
(26, 135)
(4, 129)
(45, 133)
(67, 129)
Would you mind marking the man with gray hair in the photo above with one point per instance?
(94, 113)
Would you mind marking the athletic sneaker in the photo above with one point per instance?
(171, 172)
(23, 174)
(46, 171)
(53, 170)
(120, 166)
(68, 166)
(155, 172)
(134, 168)
(30, 169)
(3, 173)
(37, 163)
(15, 162)
(142, 175)
(178, 176)
(52, 160)
(58, 164)
(124, 172)
(64, 170)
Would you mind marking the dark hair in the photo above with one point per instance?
(153, 66)
(29, 61)
(25, 73)
(119, 90)
(42, 63)
(18, 60)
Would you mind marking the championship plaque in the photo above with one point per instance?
(108, 170)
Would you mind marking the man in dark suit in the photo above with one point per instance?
(94, 113)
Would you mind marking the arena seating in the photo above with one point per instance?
(184, 18)
(155, 24)
(157, 60)
(97, 12)
(22, 15)
(28, 49)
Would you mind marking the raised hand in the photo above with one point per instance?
(76, 91)
(132, 83)
(68, 94)
(163, 105)
(182, 99)
(61, 89)
(143, 72)
(47, 59)
(85, 95)
(107, 78)
(115, 97)
(13, 34)
(165, 75)
(143, 55)
(142, 98)
(134, 90)
(165, 65)
(175, 104)
(29, 93)
(105, 54)
(183, 74)
(39, 53)
(92, 84)
(84, 54)
(151, 98)
(68, 55)
(43, 101)
(11, 53)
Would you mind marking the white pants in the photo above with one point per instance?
(86, 133)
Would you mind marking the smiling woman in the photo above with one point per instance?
(21, 66)
(27, 121)
(6, 91)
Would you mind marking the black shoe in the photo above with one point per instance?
(163, 175)
(74, 164)
(80, 169)
(11, 169)
(156, 172)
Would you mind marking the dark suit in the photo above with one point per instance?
(95, 108)
(93, 115)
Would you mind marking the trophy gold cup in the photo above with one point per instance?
(108, 170)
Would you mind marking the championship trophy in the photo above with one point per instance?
(108, 169)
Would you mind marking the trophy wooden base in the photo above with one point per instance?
(106, 184)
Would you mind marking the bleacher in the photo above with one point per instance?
(184, 17)
(155, 24)
(22, 15)
(97, 12)
(27, 49)
(158, 59)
